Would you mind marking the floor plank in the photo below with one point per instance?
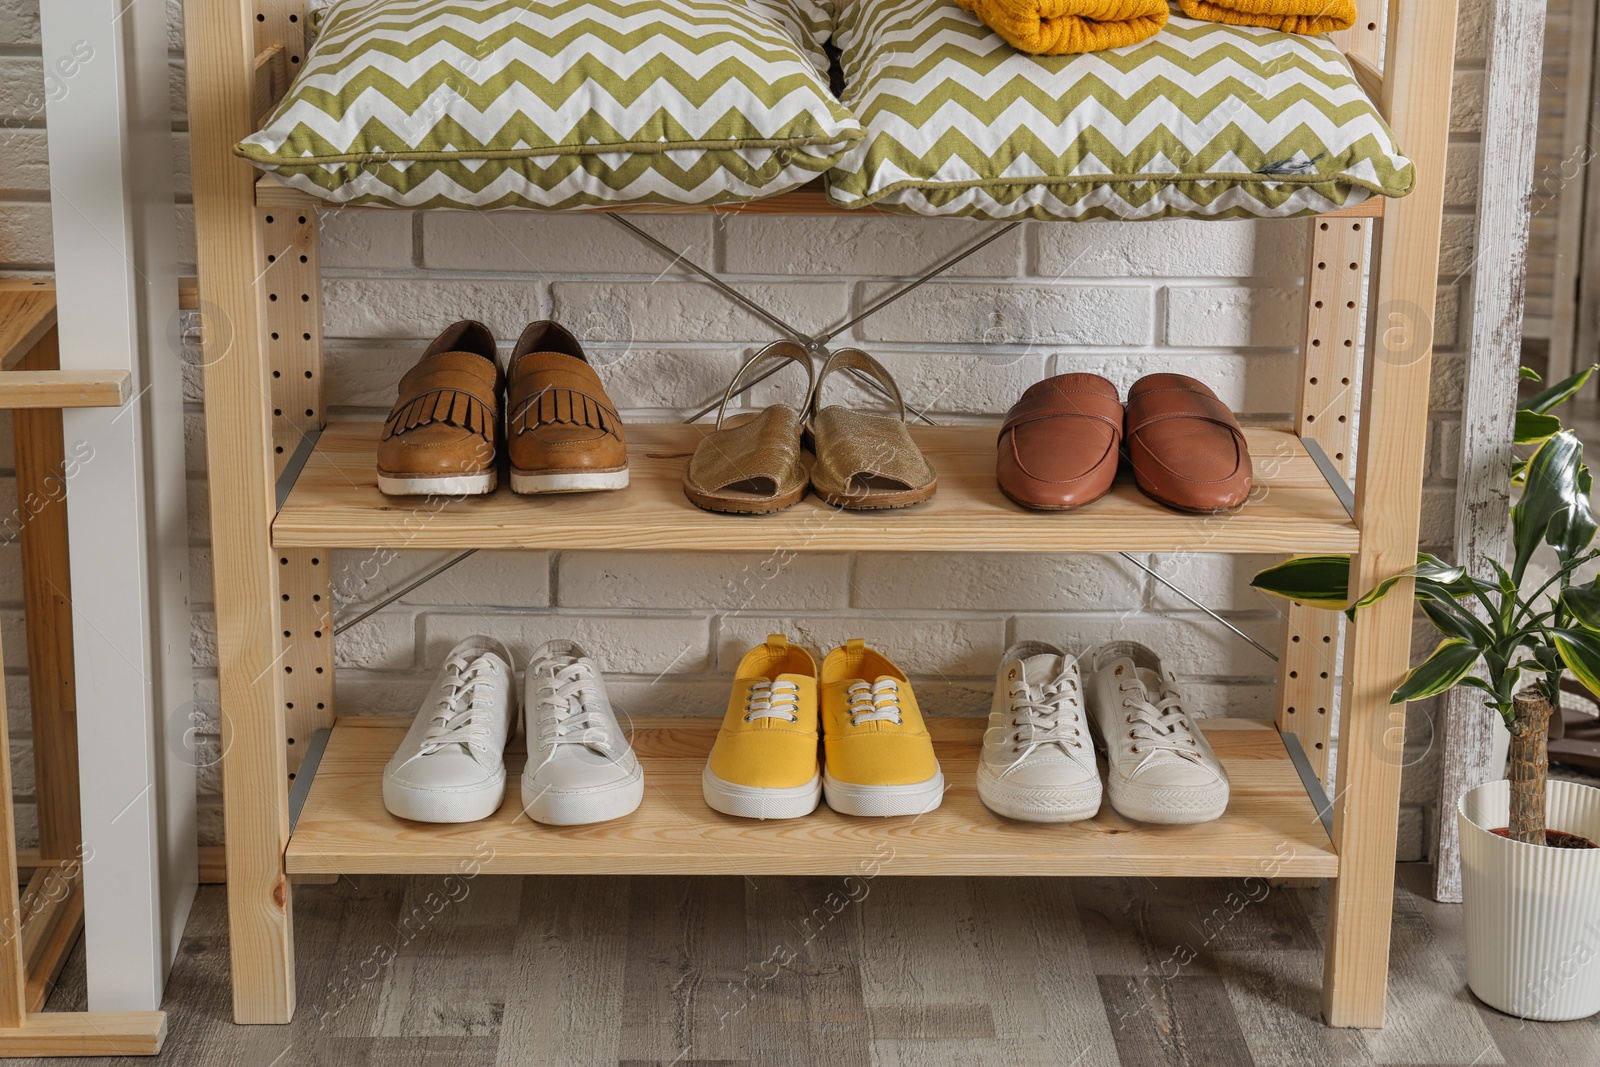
(563, 971)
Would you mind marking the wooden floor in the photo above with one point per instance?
(449, 971)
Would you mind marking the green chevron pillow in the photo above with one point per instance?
(558, 104)
(1202, 120)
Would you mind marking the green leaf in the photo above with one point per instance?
(1453, 620)
(1316, 581)
(1580, 651)
(1583, 603)
(1435, 569)
(1558, 393)
(1572, 531)
(1519, 471)
(1450, 662)
(1528, 374)
(1533, 427)
(1552, 487)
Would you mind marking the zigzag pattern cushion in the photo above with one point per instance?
(554, 104)
(1202, 121)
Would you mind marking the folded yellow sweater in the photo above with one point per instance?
(1057, 27)
(1290, 16)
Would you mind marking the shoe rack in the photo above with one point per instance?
(288, 485)
(41, 889)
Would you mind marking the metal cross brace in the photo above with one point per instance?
(818, 347)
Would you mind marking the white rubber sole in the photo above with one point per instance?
(437, 485)
(1168, 807)
(849, 798)
(440, 805)
(755, 802)
(1031, 803)
(568, 481)
(578, 807)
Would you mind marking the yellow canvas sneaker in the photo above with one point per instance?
(764, 764)
(878, 758)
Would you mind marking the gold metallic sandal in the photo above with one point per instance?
(866, 461)
(754, 466)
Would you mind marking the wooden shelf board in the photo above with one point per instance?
(336, 504)
(1270, 827)
(807, 200)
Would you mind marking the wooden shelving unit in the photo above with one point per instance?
(259, 282)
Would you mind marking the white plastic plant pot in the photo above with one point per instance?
(1532, 912)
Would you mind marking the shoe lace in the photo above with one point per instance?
(569, 708)
(461, 717)
(1045, 715)
(877, 702)
(1158, 726)
(772, 700)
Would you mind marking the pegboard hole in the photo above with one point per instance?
(319, 670)
(1322, 711)
(296, 18)
(279, 450)
(1311, 418)
(288, 705)
(1351, 304)
(305, 298)
(269, 218)
(288, 670)
(1344, 381)
(291, 740)
(1313, 381)
(303, 259)
(318, 635)
(285, 598)
(1323, 226)
(1295, 639)
(272, 297)
(274, 336)
(1325, 640)
(277, 374)
(287, 635)
(315, 561)
(277, 411)
(305, 337)
(291, 773)
(321, 705)
(302, 220)
(1336, 455)
(272, 259)
(1316, 342)
(1294, 674)
(308, 375)
(1349, 344)
(309, 412)
(1288, 711)
(261, 18)
(1318, 746)
(316, 598)
(1319, 305)
(283, 561)
(1344, 418)
(1324, 674)
(1353, 266)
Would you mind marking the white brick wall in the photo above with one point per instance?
(1216, 301)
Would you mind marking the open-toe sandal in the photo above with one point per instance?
(752, 464)
(866, 460)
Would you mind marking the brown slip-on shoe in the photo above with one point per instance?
(1185, 446)
(563, 433)
(1058, 448)
(442, 433)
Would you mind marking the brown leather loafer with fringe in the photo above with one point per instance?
(442, 434)
(563, 432)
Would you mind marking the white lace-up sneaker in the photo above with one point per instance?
(581, 768)
(451, 765)
(1038, 759)
(1161, 768)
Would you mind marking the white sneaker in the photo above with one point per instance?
(581, 768)
(1038, 760)
(1161, 769)
(451, 765)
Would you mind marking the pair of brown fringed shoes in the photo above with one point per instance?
(442, 435)
(860, 460)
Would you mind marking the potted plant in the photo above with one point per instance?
(1530, 870)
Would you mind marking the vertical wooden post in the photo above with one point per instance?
(1416, 98)
(1330, 349)
(1483, 494)
(47, 600)
(13, 970)
(240, 455)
